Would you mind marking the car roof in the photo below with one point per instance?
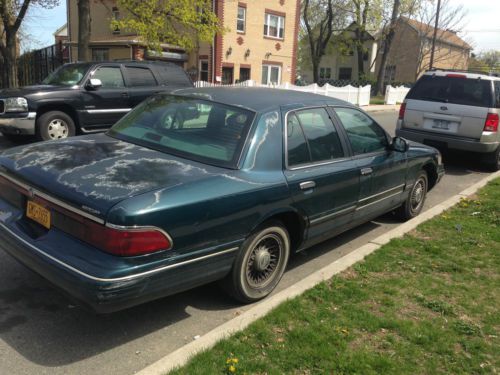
(260, 99)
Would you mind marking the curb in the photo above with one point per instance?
(182, 355)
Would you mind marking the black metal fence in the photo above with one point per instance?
(34, 66)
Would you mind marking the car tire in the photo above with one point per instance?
(493, 160)
(415, 202)
(55, 125)
(260, 264)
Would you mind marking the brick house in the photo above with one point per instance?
(260, 42)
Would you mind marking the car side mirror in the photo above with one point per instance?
(399, 144)
(94, 83)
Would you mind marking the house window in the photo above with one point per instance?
(204, 70)
(274, 26)
(227, 75)
(271, 74)
(241, 19)
(244, 74)
(345, 73)
(100, 54)
(390, 73)
(325, 73)
(116, 17)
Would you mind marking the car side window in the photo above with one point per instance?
(497, 94)
(298, 152)
(139, 77)
(322, 138)
(110, 76)
(364, 134)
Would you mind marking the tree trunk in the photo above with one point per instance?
(387, 48)
(361, 63)
(83, 30)
(315, 67)
(10, 60)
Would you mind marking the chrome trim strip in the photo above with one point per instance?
(138, 228)
(333, 214)
(378, 200)
(381, 193)
(52, 199)
(112, 110)
(116, 279)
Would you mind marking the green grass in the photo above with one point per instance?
(427, 303)
(379, 99)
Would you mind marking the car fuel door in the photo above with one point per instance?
(323, 182)
(382, 171)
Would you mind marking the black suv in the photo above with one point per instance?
(84, 97)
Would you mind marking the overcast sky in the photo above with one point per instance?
(482, 24)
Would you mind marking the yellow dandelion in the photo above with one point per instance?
(232, 368)
(235, 360)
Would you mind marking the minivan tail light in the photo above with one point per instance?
(126, 241)
(402, 111)
(491, 123)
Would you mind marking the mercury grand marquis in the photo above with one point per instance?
(203, 185)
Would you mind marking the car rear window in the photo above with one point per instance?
(455, 90)
(195, 129)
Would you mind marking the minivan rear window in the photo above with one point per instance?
(455, 90)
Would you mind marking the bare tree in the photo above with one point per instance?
(13, 13)
(320, 19)
(451, 22)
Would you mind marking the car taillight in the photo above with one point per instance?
(491, 123)
(456, 75)
(128, 241)
(402, 110)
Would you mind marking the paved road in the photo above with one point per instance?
(41, 332)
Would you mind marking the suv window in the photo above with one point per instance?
(497, 94)
(312, 137)
(364, 134)
(138, 76)
(455, 90)
(110, 76)
(173, 75)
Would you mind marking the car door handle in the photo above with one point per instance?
(124, 94)
(366, 171)
(307, 185)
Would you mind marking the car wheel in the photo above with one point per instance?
(493, 160)
(55, 125)
(260, 263)
(415, 201)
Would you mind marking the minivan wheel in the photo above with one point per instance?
(55, 125)
(260, 264)
(493, 160)
(416, 199)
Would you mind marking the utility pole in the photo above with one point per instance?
(434, 36)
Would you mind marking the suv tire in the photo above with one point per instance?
(55, 125)
(493, 160)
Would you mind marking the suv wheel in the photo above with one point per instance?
(55, 125)
(493, 160)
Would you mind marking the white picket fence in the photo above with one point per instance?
(355, 95)
(394, 95)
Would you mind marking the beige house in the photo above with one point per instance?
(411, 51)
(260, 43)
(409, 56)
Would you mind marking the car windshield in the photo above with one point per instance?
(454, 90)
(192, 128)
(67, 75)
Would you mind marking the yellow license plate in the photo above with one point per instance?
(38, 213)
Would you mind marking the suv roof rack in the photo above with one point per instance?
(495, 74)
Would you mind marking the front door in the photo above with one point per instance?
(382, 171)
(323, 182)
(244, 74)
(107, 104)
(227, 76)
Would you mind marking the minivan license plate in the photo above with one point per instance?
(38, 213)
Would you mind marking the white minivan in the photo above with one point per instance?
(454, 110)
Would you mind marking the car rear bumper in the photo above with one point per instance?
(18, 125)
(106, 294)
(443, 141)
